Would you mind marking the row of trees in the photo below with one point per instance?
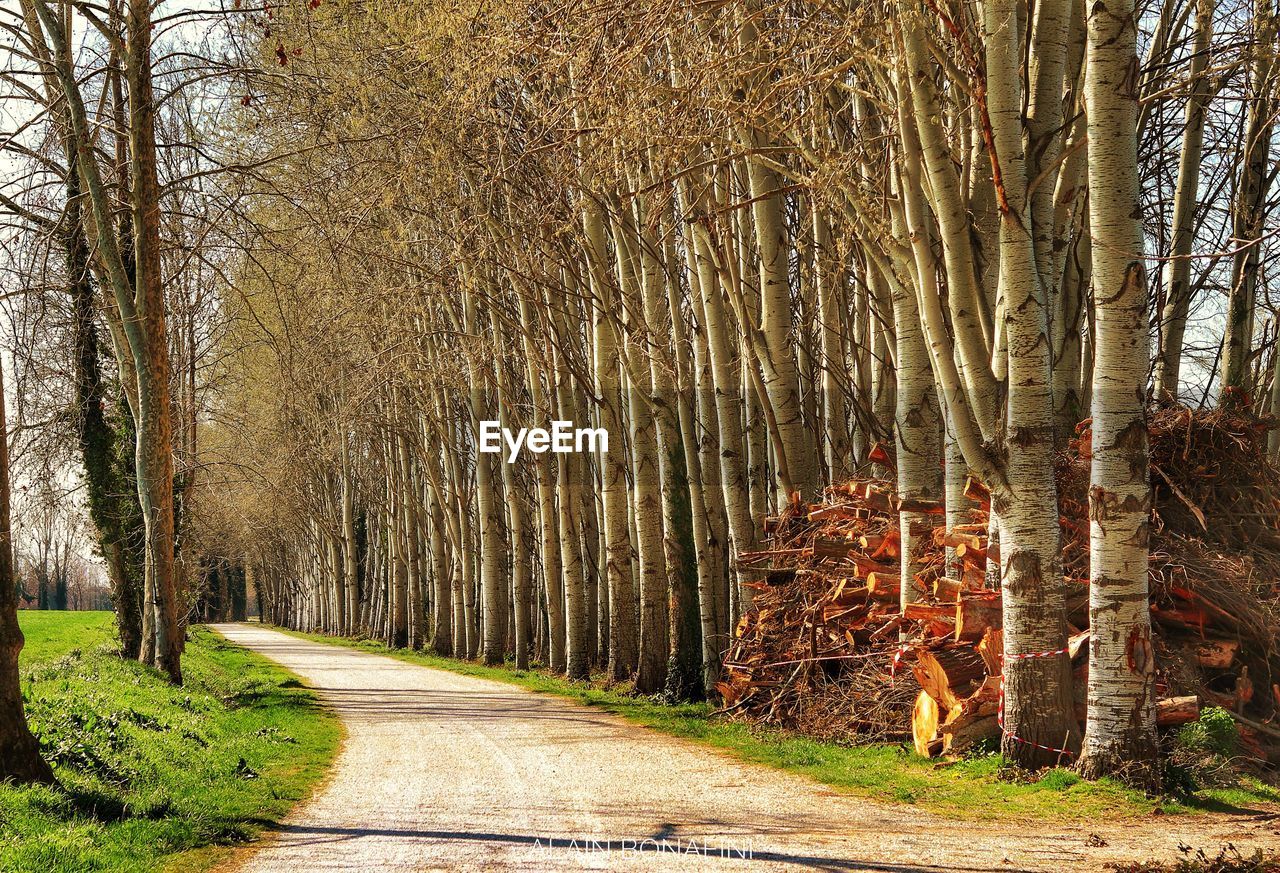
(52, 559)
(109, 232)
(751, 241)
(83, 192)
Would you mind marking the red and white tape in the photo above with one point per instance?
(1000, 713)
(897, 659)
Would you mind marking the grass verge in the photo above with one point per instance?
(967, 788)
(153, 776)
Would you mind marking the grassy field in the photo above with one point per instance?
(153, 776)
(967, 788)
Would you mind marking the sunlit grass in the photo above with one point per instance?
(151, 775)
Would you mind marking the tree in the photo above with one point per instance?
(20, 759)
(1250, 207)
(1173, 317)
(139, 316)
(1121, 733)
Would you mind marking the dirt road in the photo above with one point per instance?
(446, 772)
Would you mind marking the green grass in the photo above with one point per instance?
(966, 788)
(154, 776)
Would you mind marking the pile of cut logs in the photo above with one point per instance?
(828, 651)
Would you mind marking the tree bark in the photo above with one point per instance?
(1121, 736)
(151, 348)
(113, 505)
(20, 759)
(918, 421)
(1249, 212)
(1177, 290)
(1038, 708)
(623, 631)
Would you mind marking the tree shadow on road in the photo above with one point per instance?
(665, 841)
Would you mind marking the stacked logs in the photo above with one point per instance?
(826, 649)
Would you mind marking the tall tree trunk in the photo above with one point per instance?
(441, 577)
(411, 522)
(1249, 211)
(466, 640)
(777, 350)
(684, 666)
(711, 460)
(151, 348)
(778, 359)
(707, 536)
(651, 669)
(397, 559)
(570, 485)
(649, 488)
(113, 505)
(918, 421)
(548, 513)
(965, 297)
(350, 569)
(138, 289)
(884, 381)
(20, 759)
(1177, 289)
(339, 593)
(1121, 736)
(493, 579)
(623, 630)
(837, 440)
(521, 558)
(1038, 709)
(1067, 298)
(727, 383)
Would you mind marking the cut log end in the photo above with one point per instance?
(976, 613)
(925, 718)
(948, 675)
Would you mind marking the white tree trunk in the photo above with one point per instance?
(1121, 736)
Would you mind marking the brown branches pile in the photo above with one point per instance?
(820, 650)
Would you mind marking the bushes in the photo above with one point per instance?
(1214, 733)
(1199, 755)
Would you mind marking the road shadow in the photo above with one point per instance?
(662, 842)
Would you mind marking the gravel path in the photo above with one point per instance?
(447, 772)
